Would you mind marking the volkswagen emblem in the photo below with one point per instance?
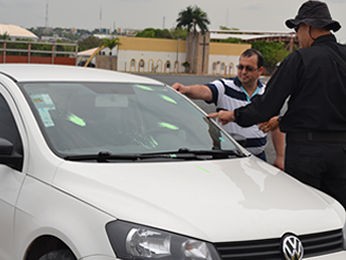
(292, 247)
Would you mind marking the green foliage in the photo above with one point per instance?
(273, 52)
(179, 33)
(41, 49)
(191, 18)
(229, 40)
(67, 34)
(221, 27)
(89, 43)
(165, 33)
(155, 33)
(147, 33)
(186, 66)
(110, 42)
(5, 36)
(176, 33)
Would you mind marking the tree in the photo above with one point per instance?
(191, 18)
(155, 33)
(179, 33)
(147, 33)
(273, 53)
(105, 43)
(163, 33)
(222, 27)
(88, 43)
(5, 36)
(110, 43)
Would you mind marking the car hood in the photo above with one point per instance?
(217, 200)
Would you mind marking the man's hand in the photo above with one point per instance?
(223, 116)
(180, 88)
(270, 125)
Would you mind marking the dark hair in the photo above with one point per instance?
(251, 52)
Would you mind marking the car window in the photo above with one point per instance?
(9, 131)
(84, 118)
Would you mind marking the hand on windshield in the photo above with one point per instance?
(223, 116)
(180, 87)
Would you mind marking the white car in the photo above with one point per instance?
(100, 165)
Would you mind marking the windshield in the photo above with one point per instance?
(120, 118)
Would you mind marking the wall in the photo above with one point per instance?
(137, 54)
(36, 59)
(106, 62)
(150, 55)
(223, 58)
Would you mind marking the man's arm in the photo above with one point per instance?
(278, 139)
(194, 91)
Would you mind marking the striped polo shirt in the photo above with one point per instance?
(229, 94)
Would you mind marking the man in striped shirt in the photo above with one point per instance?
(229, 94)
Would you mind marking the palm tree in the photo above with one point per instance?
(193, 17)
(190, 19)
(110, 43)
(107, 42)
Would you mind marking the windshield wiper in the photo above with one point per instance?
(215, 154)
(103, 157)
(181, 154)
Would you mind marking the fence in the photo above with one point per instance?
(38, 52)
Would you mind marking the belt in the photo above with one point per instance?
(317, 136)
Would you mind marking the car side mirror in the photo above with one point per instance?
(6, 147)
(9, 156)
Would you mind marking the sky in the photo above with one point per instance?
(249, 15)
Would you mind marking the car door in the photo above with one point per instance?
(11, 175)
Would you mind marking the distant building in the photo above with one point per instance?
(152, 55)
(16, 32)
(249, 36)
(202, 55)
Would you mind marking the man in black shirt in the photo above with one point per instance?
(313, 79)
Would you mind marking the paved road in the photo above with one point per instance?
(195, 79)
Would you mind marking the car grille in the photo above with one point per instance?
(268, 249)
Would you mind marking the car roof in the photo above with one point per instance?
(64, 73)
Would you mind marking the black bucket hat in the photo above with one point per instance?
(316, 14)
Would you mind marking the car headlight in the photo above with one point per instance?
(133, 241)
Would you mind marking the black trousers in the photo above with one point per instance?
(318, 163)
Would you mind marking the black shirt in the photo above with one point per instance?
(314, 80)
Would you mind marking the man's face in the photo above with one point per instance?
(248, 71)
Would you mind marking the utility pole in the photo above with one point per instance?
(46, 15)
(100, 16)
(164, 22)
(227, 18)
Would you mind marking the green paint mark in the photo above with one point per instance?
(202, 169)
(153, 142)
(76, 120)
(221, 139)
(168, 99)
(168, 126)
(146, 88)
